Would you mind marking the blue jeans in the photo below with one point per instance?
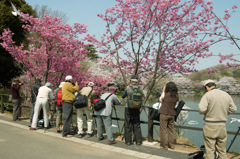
(107, 121)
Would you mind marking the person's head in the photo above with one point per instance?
(48, 84)
(134, 79)
(90, 84)
(16, 80)
(209, 84)
(172, 88)
(38, 81)
(68, 78)
(112, 90)
(61, 84)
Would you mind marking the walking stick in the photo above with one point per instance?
(233, 139)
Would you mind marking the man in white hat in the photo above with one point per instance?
(44, 94)
(90, 93)
(215, 105)
(68, 90)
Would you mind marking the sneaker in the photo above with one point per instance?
(138, 144)
(128, 143)
(101, 138)
(165, 148)
(89, 135)
(68, 136)
(172, 147)
(80, 135)
(58, 130)
(32, 128)
(110, 142)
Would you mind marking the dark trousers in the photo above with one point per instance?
(132, 125)
(16, 108)
(32, 113)
(67, 117)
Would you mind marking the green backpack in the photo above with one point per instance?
(134, 97)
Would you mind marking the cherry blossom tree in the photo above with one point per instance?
(153, 38)
(224, 34)
(55, 52)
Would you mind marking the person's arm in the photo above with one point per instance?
(203, 105)
(124, 94)
(16, 87)
(51, 95)
(162, 95)
(232, 107)
(75, 88)
(116, 101)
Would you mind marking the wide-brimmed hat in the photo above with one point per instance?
(208, 81)
(48, 84)
(68, 77)
(91, 84)
(16, 80)
(134, 78)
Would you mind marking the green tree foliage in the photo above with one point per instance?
(8, 67)
(215, 73)
(92, 54)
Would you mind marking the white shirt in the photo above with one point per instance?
(45, 92)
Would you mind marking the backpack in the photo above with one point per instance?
(101, 103)
(81, 101)
(59, 101)
(134, 97)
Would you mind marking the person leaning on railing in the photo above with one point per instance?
(215, 105)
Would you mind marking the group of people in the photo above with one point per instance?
(215, 105)
(43, 95)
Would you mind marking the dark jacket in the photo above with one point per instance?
(15, 91)
(34, 92)
(168, 105)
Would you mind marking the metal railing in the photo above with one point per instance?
(150, 122)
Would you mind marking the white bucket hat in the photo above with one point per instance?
(91, 84)
(68, 77)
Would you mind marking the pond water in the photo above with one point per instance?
(195, 136)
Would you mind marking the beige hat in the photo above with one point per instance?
(61, 84)
(91, 84)
(208, 81)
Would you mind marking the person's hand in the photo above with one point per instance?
(76, 83)
(164, 88)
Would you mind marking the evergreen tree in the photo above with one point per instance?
(8, 66)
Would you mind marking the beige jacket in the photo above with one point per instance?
(85, 91)
(216, 105)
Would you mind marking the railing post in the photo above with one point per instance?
(2, 105)
(20, 108)
(150, 128)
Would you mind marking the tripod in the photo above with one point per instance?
(233, 139)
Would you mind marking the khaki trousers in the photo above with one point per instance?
(167, 126)
(215, 138)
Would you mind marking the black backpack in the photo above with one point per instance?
(81, 101)
(101, 103)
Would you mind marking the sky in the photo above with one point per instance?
(85, 12)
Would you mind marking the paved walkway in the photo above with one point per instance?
(17, 141)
